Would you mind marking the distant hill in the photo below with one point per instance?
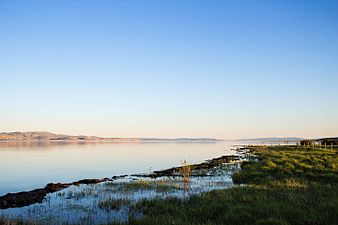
(180, 140)
(47, 136)
(273, 139)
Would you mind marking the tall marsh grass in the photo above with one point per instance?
(186, 171)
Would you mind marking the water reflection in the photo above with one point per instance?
(32, 145)
(28, 165)
(114, 200)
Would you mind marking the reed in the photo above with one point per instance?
(186, 171)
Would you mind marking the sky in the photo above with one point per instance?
(185, 68)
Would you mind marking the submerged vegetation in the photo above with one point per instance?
(4, 221)
(285, 185)
(161, 185)
(114, 204)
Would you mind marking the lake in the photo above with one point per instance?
(26, 166)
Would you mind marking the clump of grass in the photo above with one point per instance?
(114, 204)
(186, 171)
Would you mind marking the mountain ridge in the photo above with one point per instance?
(48, 136)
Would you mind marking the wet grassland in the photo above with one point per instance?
(284, 185)
(100, 201)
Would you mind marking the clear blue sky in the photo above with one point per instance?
(226, 69)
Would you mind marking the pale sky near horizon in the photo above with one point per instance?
(225, 69)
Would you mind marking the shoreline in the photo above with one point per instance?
(26, 198)
(273, 185)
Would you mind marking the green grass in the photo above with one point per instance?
(286, 185)
(278, 163)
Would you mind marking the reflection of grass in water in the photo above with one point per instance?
(114, 204)
(76, 207)
(86, 192)
(79, 193)
(156, 185)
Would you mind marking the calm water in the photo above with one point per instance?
(25, 166)
(86, 204)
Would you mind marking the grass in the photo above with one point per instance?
(76, 194)
(186, 171)
(278, 163)
(114, 204)
(4, 221)
(287, 185)
(156, 185)
(249, 205)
